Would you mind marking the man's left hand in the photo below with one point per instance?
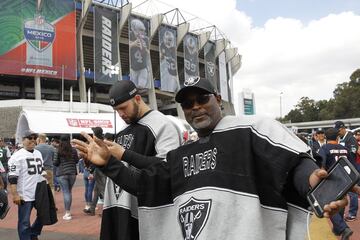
(334, 206)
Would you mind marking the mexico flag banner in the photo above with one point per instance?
(38, 42)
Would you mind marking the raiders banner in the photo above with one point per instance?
(139, 45)
(105, 45)
(191, 59)
(210, 64)
(168, 61)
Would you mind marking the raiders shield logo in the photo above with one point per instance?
(191, 81)
(117, 191)
(193, 215)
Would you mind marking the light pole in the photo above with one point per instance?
(281, 93)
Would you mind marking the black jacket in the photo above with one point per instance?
(66, 166)
(45, 204)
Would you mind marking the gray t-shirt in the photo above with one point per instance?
(47, 152)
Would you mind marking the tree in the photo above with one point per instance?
(344, 104)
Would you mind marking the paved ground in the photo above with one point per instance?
(81, 227)
(84, 227)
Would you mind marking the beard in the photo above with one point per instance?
(200, 123)
(134, 117)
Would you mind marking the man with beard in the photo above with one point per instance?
(149, 133)
(244, 178)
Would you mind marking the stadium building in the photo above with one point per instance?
(58, 60)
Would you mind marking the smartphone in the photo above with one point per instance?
(342, 177)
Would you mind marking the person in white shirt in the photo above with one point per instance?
(25, 168)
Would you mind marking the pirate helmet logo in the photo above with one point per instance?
(117, 191)
(193, 216)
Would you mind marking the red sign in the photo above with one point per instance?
(89, 123)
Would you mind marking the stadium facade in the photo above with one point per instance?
(56, 53)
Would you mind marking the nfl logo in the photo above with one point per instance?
(39, 33)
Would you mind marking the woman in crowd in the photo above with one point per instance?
(66, 161)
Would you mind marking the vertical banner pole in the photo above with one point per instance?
(62, 83)
(71, 98)
(89, 99)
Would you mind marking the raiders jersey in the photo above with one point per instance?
(139, 55)
(153, 135)
(27, 167)
(237, 183)
(169, 56)
(191, 62)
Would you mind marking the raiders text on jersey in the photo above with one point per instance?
(195, 163)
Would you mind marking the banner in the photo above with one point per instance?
(223, 77)
(139, 45)
(210, 64)
(168, 61)
(191, 58)
(106, 62)
(38, 43)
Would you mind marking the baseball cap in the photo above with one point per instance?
(339, 124)
(331, 133)
(320, 131)
(194, 83)
(121, 91)
(27, 133)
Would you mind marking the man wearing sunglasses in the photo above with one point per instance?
(244, 178)
(25, 168)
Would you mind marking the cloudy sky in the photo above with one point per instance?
(300, 48)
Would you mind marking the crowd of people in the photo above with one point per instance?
(247, 177)
(327, 146)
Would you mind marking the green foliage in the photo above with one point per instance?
(344, 104)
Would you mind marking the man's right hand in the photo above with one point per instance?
(95, 150)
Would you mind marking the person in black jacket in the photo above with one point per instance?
(244, 178)
(348, 140)
(66, 161)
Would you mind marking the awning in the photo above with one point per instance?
(66, 122)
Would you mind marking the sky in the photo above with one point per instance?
(297, 48)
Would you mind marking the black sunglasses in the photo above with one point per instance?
(200, 99)
(31, 137)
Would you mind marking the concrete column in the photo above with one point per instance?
(37, 87)
(230, 53)
(203, 38)
(124, 15)
(82, 83)
(182, 30)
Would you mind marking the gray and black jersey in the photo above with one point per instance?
(153, 135)
(247, 180)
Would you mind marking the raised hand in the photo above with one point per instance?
(115, 149)
(94, 150)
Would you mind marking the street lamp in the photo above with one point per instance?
(281, 93)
